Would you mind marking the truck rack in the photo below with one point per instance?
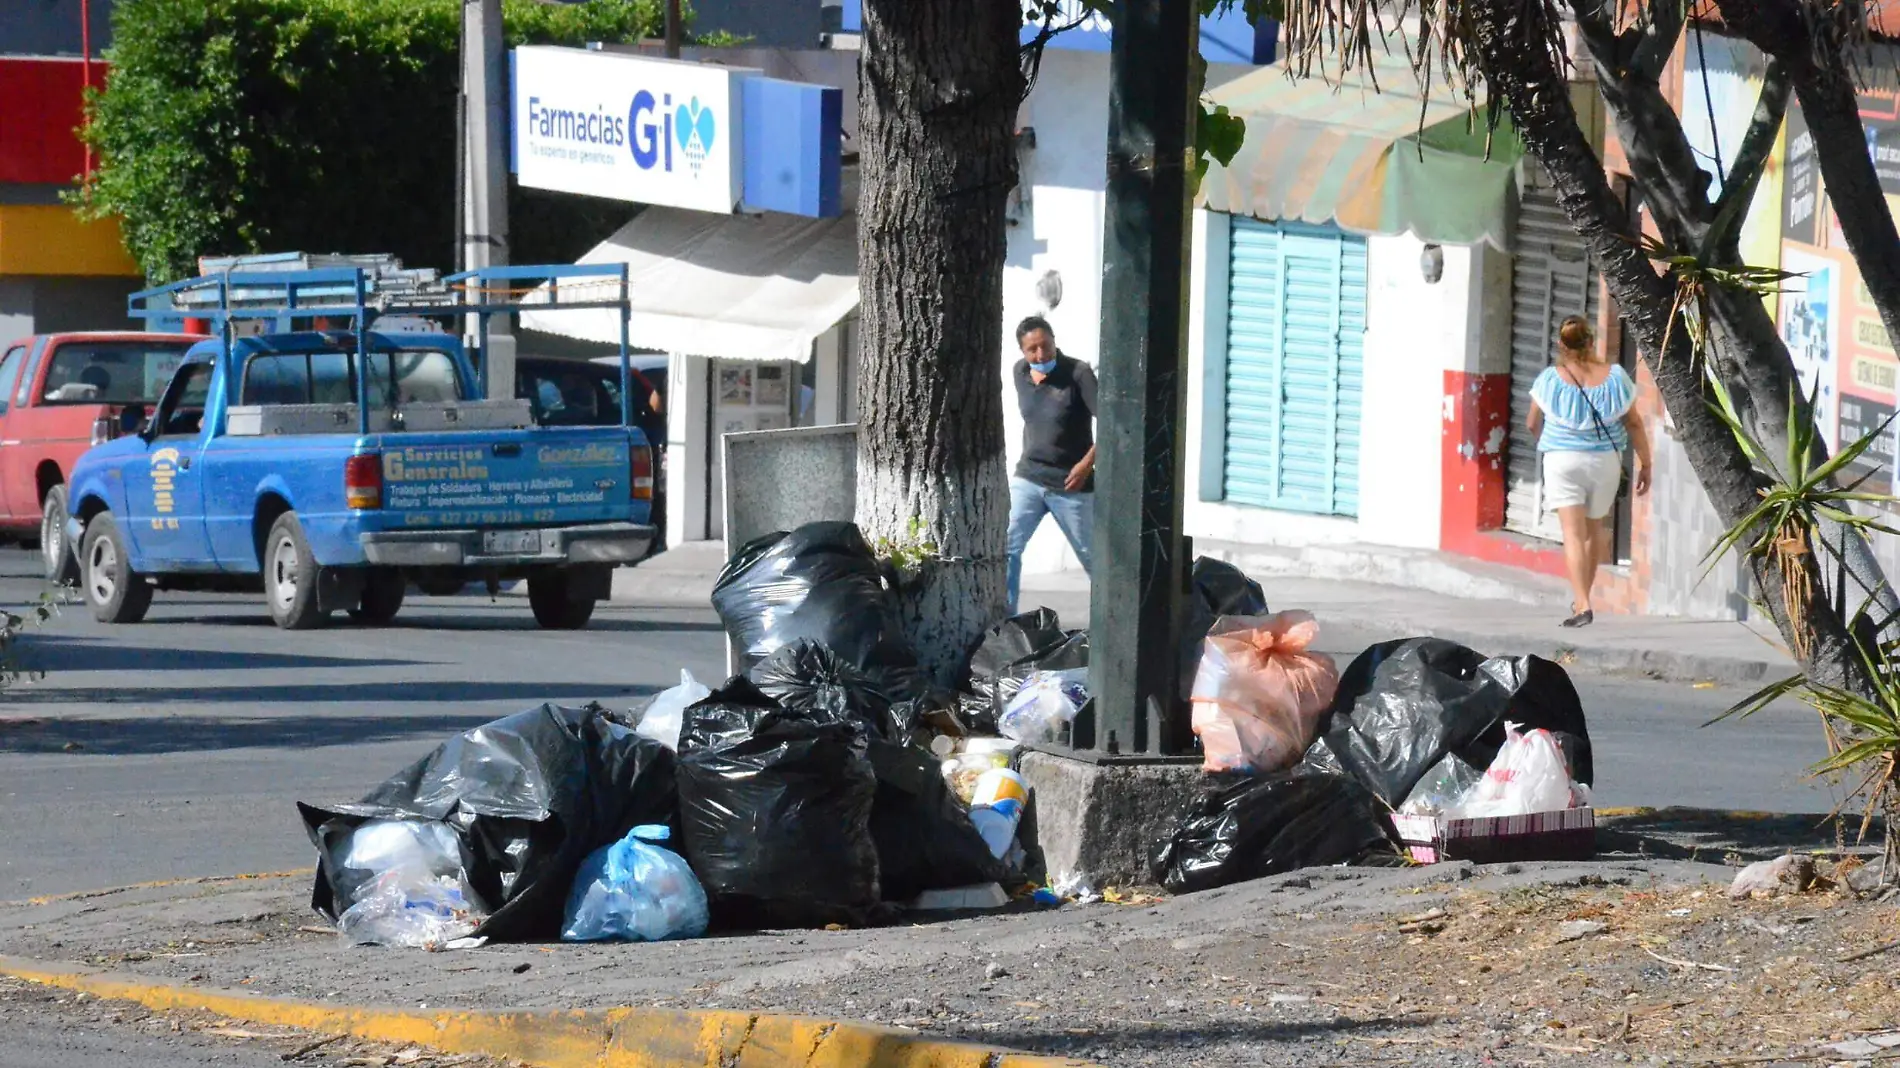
(275, 291)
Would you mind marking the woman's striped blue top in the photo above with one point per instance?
(1569, 425)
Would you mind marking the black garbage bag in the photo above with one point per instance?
(808, 678)
(1248, 827)
(822, 582)
(528, 797)
(1009, 653)
(776, 818)
(924, 837)
(925, 840)
(1402, 706)
(1220, 589)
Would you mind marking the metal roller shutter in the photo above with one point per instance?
(1552, 277)
(1295, 359)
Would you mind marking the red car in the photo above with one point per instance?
(61, 394)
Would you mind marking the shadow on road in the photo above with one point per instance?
(487, 621)
(1182, 1039)
(183, 734)
(59, 652)
(529, 693)
(1710, 836)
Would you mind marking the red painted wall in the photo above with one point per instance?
(43, 111)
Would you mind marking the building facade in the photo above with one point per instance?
(56, 272)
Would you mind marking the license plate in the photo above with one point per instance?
(511, 541)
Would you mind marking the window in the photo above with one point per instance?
(182, 411)
(416, 376)
(111, 372)
(10, 373)
(276, 378)
(27, 376)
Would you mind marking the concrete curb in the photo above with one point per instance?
(597, 1038)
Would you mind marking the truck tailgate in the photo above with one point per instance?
(498, 478)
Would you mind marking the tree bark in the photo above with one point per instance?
(1511, 48)
(937, 112)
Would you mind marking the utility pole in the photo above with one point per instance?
(1141, 559)
(675, 29)
(485, 178)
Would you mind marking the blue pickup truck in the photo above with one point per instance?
(334, 467)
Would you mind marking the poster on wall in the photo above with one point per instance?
(1810, 320)
(735, 386)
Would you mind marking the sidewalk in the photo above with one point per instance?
(1490, 609)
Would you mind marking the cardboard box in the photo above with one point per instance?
(1567, 835)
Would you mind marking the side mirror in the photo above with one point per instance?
(132, 419)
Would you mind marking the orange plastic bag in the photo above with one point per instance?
(1259, 694)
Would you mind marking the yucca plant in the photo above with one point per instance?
(1694, 278)
(1802, 490)
(1863, 740)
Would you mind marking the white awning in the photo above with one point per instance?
(734, 287)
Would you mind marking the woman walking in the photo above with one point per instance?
(1584, 416)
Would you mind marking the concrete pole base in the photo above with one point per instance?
(1101, 822)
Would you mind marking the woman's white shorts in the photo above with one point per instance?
(1582, 478)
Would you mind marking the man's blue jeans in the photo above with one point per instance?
(1028, 503)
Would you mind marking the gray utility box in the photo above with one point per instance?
(254, 420)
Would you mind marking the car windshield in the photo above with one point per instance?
(410, 376)
(111, 372)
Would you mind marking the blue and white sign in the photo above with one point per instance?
(653, 131)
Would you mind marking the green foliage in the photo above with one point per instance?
(234, 126)
(1218, 133)
(915, 550)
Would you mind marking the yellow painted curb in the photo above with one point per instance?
(596, 1038)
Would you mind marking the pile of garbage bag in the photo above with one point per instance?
(1420, 725)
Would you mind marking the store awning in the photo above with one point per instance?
(733, 287)
(1341, 151)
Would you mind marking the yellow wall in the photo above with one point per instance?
(48, 239)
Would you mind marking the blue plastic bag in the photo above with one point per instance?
(635, 891)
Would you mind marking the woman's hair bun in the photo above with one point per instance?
(1575, 334)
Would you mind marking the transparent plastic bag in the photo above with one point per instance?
(1046, 702)
(1530, 775)
(1258, 693)
(661, 721)
(635, 890)
(411, 909)
(1442, 787)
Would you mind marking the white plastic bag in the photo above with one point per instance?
(411, 909)
(425, 846)
(663, 718)
(1046, 701)
(1529, 775)
(635, 890)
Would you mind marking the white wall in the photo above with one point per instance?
(1414, 330)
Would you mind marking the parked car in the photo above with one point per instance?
(568, 392)
(61, 394)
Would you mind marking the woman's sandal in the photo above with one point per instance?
(1581, 619)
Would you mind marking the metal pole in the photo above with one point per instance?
(485, 237)
(1141, 564)
(675, 29)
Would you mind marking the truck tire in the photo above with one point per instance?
(62, 564)
(290, 576)
(117, 593)
(383, 589)
(552, 596)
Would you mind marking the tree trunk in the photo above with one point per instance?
(937, 114)
(1513, 52)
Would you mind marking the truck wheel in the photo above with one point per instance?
(117, 593)
(62, 565)
(551, 595)
(382, 597)
(290, 576)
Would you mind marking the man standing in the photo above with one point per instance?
(1056, 475)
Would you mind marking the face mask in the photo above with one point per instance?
(1042, 368)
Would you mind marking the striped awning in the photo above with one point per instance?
(1324, 150)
